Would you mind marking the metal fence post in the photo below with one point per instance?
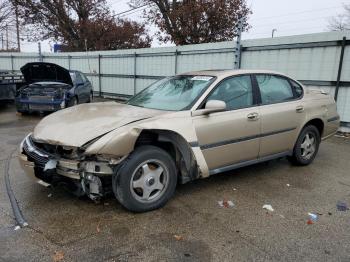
(340, 68)
(12, 65)
(175, 66)
(69, 57)
(237, 63)
(99, 75)
(135, 56)
(39, 52)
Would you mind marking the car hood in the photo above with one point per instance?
(45, 72)
(80, 124)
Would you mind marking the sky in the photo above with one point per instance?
(288, 17)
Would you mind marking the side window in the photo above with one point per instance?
(83, 77)
(78, 78)
(236, 92)
(274, 89)
(298, 90)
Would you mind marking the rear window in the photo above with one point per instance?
(274, 89)
(298, 90)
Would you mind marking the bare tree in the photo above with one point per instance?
(195, 21)
(6, 14)
(80, 24)
(340, 22)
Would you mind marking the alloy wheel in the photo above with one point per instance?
(308, 146)
(149, 181)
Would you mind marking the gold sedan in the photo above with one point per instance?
(178, 129)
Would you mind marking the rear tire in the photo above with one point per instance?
(306, 147)
(146, 180)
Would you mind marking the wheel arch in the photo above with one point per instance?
(178, 148)
(318, 123)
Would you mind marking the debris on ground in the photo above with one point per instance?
(342, 206)
(49, 195)
(309, 222)
(40, 182)
(234, 189)
(17, 228)
(343, 134)
(226, 203)
(288, 185)
(313, 217)
(106, 203)
(98, 227)
(282, 216)
(58, 256)
(268, 207)
(178, 238)
(329, 213)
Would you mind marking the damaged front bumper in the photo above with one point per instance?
(49, 105)
(92, 178)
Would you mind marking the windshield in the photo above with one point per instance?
(174, 93)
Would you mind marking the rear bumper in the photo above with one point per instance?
(331, 127)
(24, 104)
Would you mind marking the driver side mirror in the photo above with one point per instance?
(212, 106)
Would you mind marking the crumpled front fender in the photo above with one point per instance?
(121, 142)
(118, 143)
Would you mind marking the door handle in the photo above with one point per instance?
(299, 109)
(253, 116)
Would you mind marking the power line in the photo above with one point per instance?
(296, 13)
(130, 10)
(136, 11)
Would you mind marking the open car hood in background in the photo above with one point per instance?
(45, 72)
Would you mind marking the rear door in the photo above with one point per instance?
(79, 87)
(282, 111)
(87, 87)
(232, 136)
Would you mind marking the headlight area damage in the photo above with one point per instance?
(68, 166)
(88, 170)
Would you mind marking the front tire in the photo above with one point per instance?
(91, 98)
(306, 147)
(146, 180)
(74, 101)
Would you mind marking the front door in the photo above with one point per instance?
(232, 136)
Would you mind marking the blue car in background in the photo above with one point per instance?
(50, 87)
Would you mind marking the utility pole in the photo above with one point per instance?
(17, 29)
(2, 41)
(237, 64)
(273, 32)
(7, 37)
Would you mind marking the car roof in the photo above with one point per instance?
(231, 72)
